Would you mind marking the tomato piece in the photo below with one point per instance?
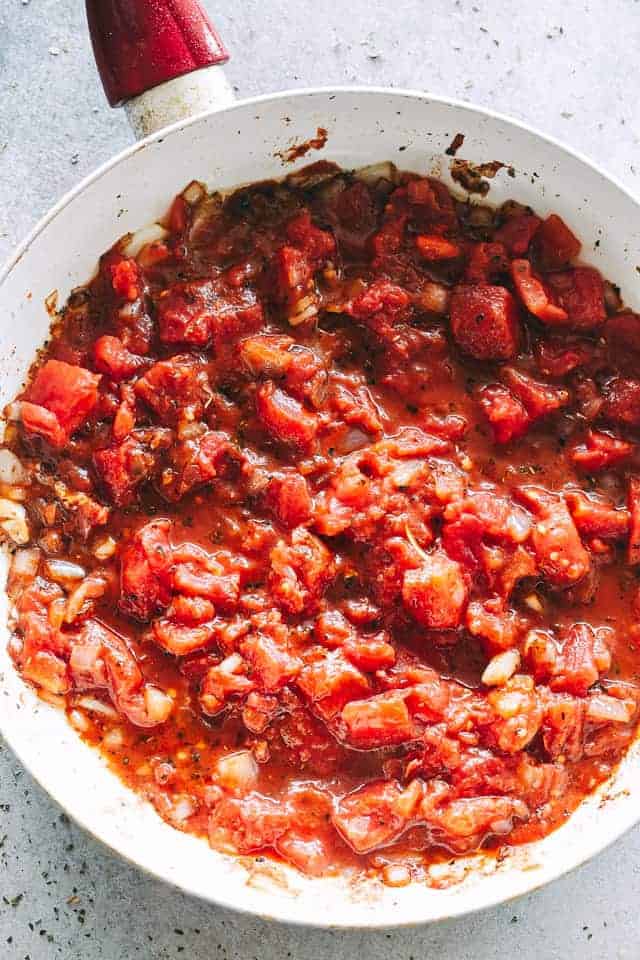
(555, 244)
(533, 294)
(507, 415)
(486, 262)
(380, 721)
(284, 417)
(597, 517)
(289, 498)
(330, 682)
(176, 388)
(125, 279)
(145, 565)
(539, 399)
(517, 233)
(375, 815)
(316, 244)
(435, 593)
(622, 401)
(434, 247)
(580, 293)
(381, 299)
(112, 357)
(68, 392)
(485, 321)
(555, 539)
(633, 503)
(600, 451)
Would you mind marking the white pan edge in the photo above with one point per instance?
(226, 148)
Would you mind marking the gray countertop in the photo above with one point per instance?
(565, 68)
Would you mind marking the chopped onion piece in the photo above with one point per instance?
(157, 703)
(13, 521)
(150, 234)
(96, 706)
(193, 192)
(602, 708)
(501, 668)
(375, 172)
(237, 772)
(113, 738)
(11, 470)
(25, 563)
(64, 571)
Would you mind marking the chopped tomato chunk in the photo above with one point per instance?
(555, 244)
(485, 321)
(532, 292)
(67, 393)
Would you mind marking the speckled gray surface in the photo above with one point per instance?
(562, 67)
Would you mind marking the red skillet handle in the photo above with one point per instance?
(139, 44)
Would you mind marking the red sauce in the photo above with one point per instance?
(332, 522)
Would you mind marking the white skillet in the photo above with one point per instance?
(139, 44)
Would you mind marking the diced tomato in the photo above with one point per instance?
(112, 357)
(580, 292)
(381, 299)
(622, 332)
(508, 418)
(39, 420)
(597, 517)
(600, 451)
(435, 593)
(224, 681)
(583, 656)
(517, 233)
(533, 294)
(376, 814)
(293, 274)
(289, 498)
(330, 682)
(124, 466)
(316, 244)
(301, 569)
(174, 388)
(370, 653)
(380, 721)
(633, 503)
(539, 399)
(555, 244)
(485, 321)
(68, 392)
(486, 262)
(200, 311)
(284, 417)
(145, 565)
(557, 358)
(434, 247)
(563, 728)
(125, 279)
(622, 401)
(180, 639)
(559, 550)
(272, 665)
(247, 824)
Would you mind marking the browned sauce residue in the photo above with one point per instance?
(299, 150)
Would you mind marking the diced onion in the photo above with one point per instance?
(113, 739)
(157, 704)
(501, 668)
(182, 809)
(602, 708)
(96, 706)
(13, 521)
(11, 470)
(25, 563)
(375, 172)
(193, 192)
(237, 772)
(64, 571)
(79, 721)
(396, 875)
(150, 234)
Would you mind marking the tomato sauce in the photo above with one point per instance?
(326, 513)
